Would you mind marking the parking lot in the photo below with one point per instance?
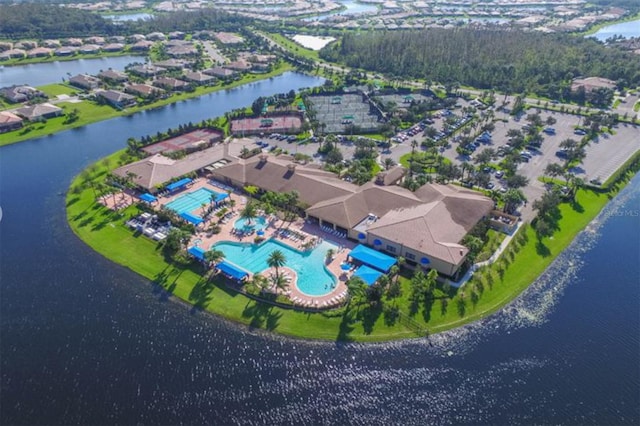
(609, 153)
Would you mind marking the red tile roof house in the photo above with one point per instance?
(146, 70)
(142, 90)
(9, 121)
(39, 111)
(13, 54)
(84, 81)
(39, 52)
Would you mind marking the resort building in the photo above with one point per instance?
(425, 226)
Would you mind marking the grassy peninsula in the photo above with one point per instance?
(518, 267)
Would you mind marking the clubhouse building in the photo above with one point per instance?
(425, 227)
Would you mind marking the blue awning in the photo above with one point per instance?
(148, 198)
(178, 184)
(232, 270)
(221, 196)
(368, 275)
(196, 220)
(196, 252)
(373, 258)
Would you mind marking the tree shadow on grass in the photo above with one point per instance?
(542, 249)
(426, 310)
(370, 315)
(165, 282)
(200, 294)
(346, 326)
(577, 207)
(262, 315)
(72, 201)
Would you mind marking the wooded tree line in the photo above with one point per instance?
(509, 61)
(34, 20)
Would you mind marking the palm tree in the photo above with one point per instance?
(356, 288)
(276, 260)
(249, 212)
(279, 282)
(260, 281)
(213, 256)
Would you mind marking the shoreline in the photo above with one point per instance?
(118, 244)
(595, 28)
(13, 137)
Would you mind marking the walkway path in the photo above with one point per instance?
(493, 258)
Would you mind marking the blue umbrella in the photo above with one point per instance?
(345, 266)
(424, 261)
(361, 236)
(260, 232)
(377, 242)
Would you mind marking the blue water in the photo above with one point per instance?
(56, 72)
(352, 8)
(128, 17)
(625, 29)
(257, 224)
(313, 277)
(192, 200)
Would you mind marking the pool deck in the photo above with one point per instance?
(275, 225)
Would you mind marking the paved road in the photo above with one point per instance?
(213, 52)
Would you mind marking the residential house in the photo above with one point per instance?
(182, 51)
(5, 45)
(113, 47)
(143, 90)
(89, 49)
(198, 77)
(146, 70)
(65, 51)
(141, 46)
(39, 111)
(26, 44)
(51, 43)
(13, 54)
(116, 99)
(156, 36)
(220, 72)
(592, 83)
(134, 38)
(176, 35)
(39, 52)
(17, 94)
(9, 121)
(84, 81)
(95, 40)
(240, 66)
(75, 42)
(172, 64)
(170, 83)
(113, 76)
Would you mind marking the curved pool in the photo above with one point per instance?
(257, 224)
(314, 279)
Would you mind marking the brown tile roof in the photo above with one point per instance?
(158, 169)
(312, 184)
(40, 110)
(351, 209)
(436, 226)
(7, 118)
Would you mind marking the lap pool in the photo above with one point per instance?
(313, 277)
(190, 201)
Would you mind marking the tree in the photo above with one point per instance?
(276, 260)
(249, 212)
(554, 170)
(512, 199)
(213, 256)
(175, 241)
(389, 163)
(356, 288)
(517, 181)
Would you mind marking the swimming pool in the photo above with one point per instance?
(190, 201)
(313, 277)
(257, 223)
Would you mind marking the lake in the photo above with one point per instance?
(128, 17)
(85, 341)
(53, 72)
(352, 8)
(624, 29)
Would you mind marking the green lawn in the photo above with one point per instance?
(104, 232)
(53, 90)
